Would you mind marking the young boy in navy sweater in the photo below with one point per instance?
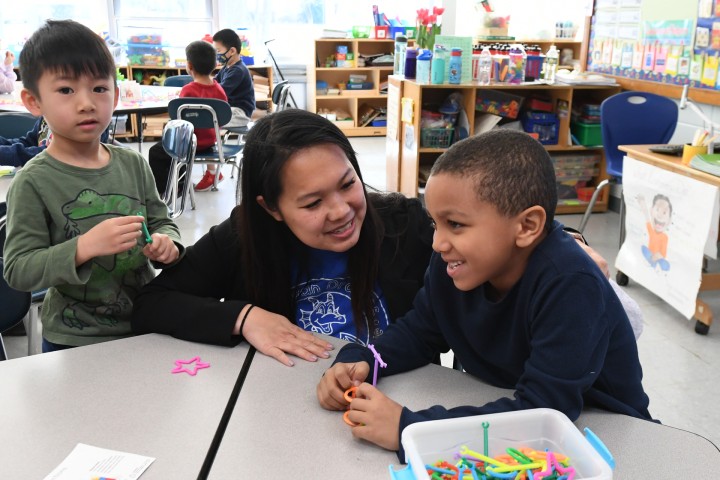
(511, 294)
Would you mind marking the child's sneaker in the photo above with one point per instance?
(206, 182)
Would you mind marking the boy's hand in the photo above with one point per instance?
(9, 58)
(162, 249)
(111, 236)
(378, 417)
(337, 379)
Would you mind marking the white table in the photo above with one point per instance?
(118, 395)
(278, 430)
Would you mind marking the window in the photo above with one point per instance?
(17, 26)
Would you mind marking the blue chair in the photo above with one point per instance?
(177, 81)
(33, 328)
(15, 306)
(630, 118)
(208, 113)
(179, 142)
(16, 124)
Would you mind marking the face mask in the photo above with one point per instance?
(222, 58)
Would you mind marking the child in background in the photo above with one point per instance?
(76, 211)
(7, 74)
(200, 65)
(514, 297)
(236, 80)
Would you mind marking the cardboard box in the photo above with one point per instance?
(539, 429)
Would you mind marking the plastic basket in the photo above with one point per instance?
(436, 137)
(359, 31)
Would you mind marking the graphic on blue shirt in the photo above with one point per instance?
(324, 306)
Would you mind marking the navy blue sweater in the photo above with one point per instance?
(560, 338)
(238, 86)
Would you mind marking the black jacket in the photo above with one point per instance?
(184, 301)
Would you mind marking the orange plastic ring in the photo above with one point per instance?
(350, 393)
(346, 418)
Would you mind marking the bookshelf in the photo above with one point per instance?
(354, 102)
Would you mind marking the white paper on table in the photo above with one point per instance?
(86, 462)
(693, 212)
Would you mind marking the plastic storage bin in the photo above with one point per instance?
(588, 134)
(360, 31)
(539, 429)
(498, 103)
(546, 125)
(436, 137)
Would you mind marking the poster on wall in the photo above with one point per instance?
(666, 232)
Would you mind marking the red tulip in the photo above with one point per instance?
(438, 10)
(432, 19)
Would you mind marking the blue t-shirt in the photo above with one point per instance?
(323, 300)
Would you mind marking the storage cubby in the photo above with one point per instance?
(412, 160)
(348, 99)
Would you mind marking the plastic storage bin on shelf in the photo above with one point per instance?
(588, 134)
(436, 137)
(546, 125)
(539, 429)
(498, 103)
(361, 32)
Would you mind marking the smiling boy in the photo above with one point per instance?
(511, 294)
(75, 211)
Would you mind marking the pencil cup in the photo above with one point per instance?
(689, 151)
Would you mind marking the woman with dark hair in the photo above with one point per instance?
(307, 243)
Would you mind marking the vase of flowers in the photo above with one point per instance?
(428, 25)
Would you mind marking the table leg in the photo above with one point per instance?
(138, 120)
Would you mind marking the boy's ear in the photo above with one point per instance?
(31, 102)
(531, 225)
(273, 213)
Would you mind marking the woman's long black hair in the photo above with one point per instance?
(268, 246)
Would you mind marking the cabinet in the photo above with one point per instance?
(408, 160)
(348, 100)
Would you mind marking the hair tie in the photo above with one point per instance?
(242, 322)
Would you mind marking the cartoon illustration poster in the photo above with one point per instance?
(666, 232)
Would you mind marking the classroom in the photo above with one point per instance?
(190, 190)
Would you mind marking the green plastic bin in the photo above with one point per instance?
(588, 134)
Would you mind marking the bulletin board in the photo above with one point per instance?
(658, 45)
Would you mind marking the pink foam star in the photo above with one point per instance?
(192, 370)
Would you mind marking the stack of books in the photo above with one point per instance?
(369, 115)
(707, 162)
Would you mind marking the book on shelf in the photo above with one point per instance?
(333, 33)
(707, 162)
(583, 78)
(368, 113)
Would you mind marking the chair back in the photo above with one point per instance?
(279, 95)
(179, 142)
(177, 81)
(277, 92)
(16, 124)
(634, 118)
(201, 112)
(15, 305)
(177, 139)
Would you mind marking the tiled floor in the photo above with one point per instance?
(678, 363)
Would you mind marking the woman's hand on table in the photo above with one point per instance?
(273, 335)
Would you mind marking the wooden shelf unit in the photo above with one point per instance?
(349, 100)
(405, 157)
